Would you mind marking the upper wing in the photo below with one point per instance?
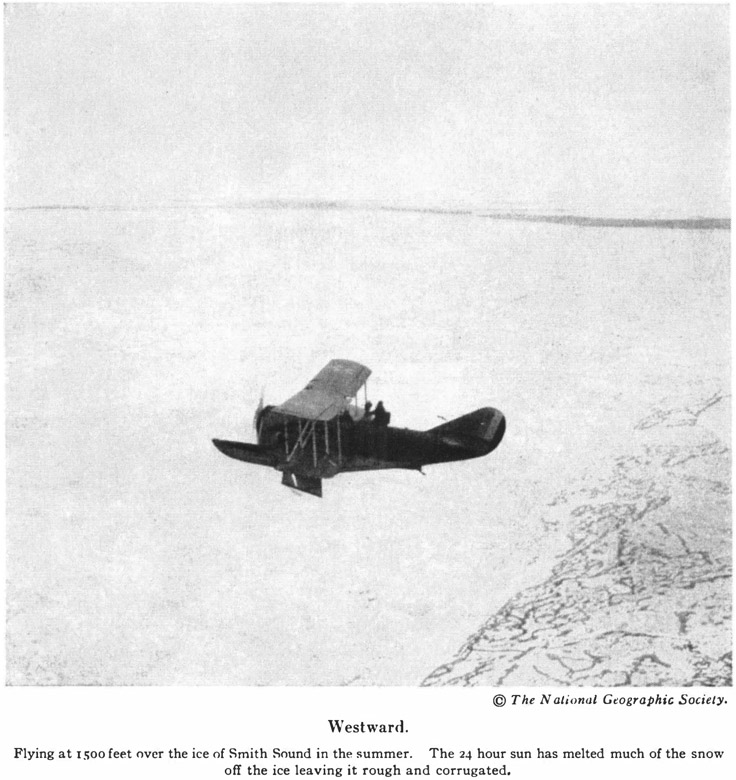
(328, 394)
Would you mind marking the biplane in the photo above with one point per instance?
(323, 431)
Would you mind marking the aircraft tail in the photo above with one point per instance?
(484, 425)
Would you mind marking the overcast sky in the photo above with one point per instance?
(612, 110)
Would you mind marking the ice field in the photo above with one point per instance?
(138, 554)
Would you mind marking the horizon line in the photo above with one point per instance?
(560, 218)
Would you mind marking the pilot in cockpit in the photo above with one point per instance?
(381, 416)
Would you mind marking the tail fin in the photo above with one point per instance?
(486, 424)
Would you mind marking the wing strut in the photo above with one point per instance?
(303, 438)
(309, 430)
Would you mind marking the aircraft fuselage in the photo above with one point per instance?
(321, 431)
(322, 449)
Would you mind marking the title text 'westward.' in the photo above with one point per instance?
(340, 726)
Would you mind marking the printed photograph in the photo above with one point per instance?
(367, 345)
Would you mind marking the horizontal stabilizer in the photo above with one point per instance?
(250, 453)
(311, 485)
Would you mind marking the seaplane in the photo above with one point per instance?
(323, 431)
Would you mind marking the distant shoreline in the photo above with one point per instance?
(695, 223)
(574, 220)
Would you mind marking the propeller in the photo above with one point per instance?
(259, 409)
